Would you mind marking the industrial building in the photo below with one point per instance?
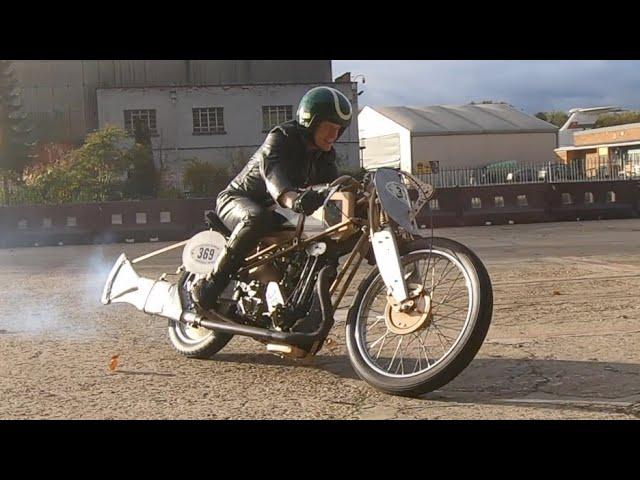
(60, 95)
(613, 152)
(425, 139)
(223, 125)
(213, 110)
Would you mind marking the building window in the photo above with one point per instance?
(499, 202)
(208, 121)
(22, 225)
(434, 204)
(46, 223)
(476, 203)
(522, 201)
(141, 218)
(72, 222)
(145, 117)
(116, 219)
(566, 199)
(611, 197)
(165, 217)
(588, 197)
(273, 115)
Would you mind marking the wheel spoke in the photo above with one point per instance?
(450, 266)
(447, 327)
(455, 309)
(447, 295)
(381, 345)
(440, 335)
(380, 317)
(440, 315)
(426, 273)
(395, 353)
(424, 349)
(383, 336)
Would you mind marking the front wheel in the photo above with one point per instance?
(418, 351)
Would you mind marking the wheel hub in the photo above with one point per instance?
(408, 320)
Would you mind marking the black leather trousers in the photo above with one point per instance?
(248, 221)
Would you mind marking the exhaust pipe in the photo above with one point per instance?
(159, 297)
(155, 297)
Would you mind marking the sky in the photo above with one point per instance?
(529, 85)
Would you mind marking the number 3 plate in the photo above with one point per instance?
(201, 251)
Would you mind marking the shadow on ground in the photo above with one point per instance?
(504, 381)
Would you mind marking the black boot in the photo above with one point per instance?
(243, 237)
(207, 291)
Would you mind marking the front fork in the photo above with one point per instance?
(387, 254)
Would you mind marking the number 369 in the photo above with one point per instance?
(206, 253)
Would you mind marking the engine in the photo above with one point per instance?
(278, 294)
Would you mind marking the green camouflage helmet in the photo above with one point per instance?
(324, 103)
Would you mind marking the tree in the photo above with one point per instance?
(622, 118)
(555, 117)
(15, 142)
(94, 170)
(203, 179)
(143, 179)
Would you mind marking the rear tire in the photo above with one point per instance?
(194, 342)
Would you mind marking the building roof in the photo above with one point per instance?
(465, 119)
(614, 128)
(597, 145)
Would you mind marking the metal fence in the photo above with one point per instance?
(603, 169)
(507, 173)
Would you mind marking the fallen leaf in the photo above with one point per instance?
(556, 292)
(113, 363)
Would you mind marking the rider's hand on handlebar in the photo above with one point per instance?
(308, 202)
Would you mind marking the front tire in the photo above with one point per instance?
(458, 320)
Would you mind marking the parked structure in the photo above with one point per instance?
(425, 139)
(613, 152)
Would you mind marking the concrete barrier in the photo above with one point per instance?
(104, 222)
(175, 220)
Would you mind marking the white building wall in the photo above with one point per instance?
(482, 149)
(242, 106)
(373, 124)
(62, 93)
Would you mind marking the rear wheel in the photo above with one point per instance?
(194, 342)
(415, 352)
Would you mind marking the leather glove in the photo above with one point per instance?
(308, 202)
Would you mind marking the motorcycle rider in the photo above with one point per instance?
(295, 155)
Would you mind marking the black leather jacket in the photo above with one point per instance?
(283, 163)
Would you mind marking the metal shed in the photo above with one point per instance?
(420, 139)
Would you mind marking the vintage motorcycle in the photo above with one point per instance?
(416, 320)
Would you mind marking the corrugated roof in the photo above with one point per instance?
(465, 119)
